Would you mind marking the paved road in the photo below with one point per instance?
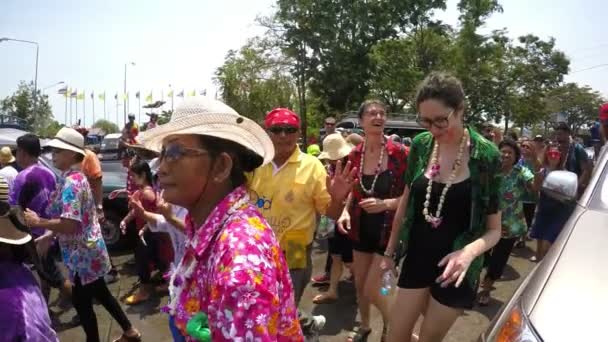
(341, 316)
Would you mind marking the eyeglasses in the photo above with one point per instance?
(175, 152)
(282, 129)
(375, 113)
(440, 122)
(330, 124)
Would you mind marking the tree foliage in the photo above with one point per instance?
(579, 103)
(33, 109)
(107, 126)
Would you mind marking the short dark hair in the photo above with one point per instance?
(562, 126)
(513, 145)
(243, 159)
(79, 157)
(30, 144)
(367, 103)
(442, 87)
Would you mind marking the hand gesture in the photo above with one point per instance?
(31, 218)
(341, 183)
(137, 207)
(373, 205)
(164, 208)
(344, 223)
(456, 265)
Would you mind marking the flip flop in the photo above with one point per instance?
(359, 335)
(324, 299)
(125, 338)
(483, 298)
(137, 298)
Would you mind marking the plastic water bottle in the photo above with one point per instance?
(326, 227)
(388, 283)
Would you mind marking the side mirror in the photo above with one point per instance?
(561, 185)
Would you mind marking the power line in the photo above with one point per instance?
(590, 68)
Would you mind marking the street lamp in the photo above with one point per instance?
(125, 93)
(5, 39)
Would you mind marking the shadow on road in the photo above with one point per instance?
(340, 314)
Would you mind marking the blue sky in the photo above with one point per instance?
(87, 43)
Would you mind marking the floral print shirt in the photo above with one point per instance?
(84, 252)
(513, 189)
(234, 271)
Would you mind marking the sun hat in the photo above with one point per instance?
(9, 233)
(6, 156)
(68, 139)
(335, 147)
(206, 116)
(604, 113)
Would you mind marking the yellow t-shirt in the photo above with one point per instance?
(290, 198)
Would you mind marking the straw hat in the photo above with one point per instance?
(335, 147)
(68, 139)
(6, 156)
(9, 233)
(206, 116)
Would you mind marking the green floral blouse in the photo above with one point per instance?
(514, 188)
(484, 167)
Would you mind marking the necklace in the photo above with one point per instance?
(370, 191)
(435, 220)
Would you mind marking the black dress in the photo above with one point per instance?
(428, 245)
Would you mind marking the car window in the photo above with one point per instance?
(599, 197)
(109, 144)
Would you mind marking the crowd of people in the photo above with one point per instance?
(227, 211)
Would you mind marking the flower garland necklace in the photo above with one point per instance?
(435, 220)
(370, 191)
(184, 272)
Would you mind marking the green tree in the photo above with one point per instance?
(50, 130)
(580, 104)
(253, 81)
(33, 109)
(107, 126)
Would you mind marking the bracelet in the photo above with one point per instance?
(389, 255)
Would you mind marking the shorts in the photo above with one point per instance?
(370, 239)
(339, 244)
(420, 271)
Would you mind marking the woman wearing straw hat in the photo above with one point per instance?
(25, 315)
(335, 148)
(74, 220)
(233, 271)
(8, 166)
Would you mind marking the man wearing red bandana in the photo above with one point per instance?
(290, 192)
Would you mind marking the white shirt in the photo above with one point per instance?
(9, 173)
(178, 239)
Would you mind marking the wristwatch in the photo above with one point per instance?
(99, 207)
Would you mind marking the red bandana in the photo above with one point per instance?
(282, 116)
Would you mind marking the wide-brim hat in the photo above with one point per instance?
(142, 150)
(6, 155)
(210, 117)
(68, 139)
(9, 233)
(335, 147)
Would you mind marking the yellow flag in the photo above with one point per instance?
(102, 96)
(80, 96)
(149, 97)
(192, 93)
(170, 93)
(125, 96)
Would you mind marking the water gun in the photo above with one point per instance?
(198, 327)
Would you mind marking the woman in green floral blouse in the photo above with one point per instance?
(517, 182)
(449, 214)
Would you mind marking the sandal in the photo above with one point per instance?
(359, 335)
(324, 298)
(125, 338)
(139, 297)
(483, 298)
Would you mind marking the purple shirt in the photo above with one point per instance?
(32, 189)
(24, 315)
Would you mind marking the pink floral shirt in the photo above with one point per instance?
(234, 271)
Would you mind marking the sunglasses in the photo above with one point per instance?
(440, 122)
(330, 124)
(282, 129)
(175, 152)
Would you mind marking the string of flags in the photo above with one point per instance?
(68, 92)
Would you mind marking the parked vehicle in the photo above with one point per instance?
(564, 297)
(110, 147)
(404, 125)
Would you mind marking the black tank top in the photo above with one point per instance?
(382, 191)
(456, 215)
